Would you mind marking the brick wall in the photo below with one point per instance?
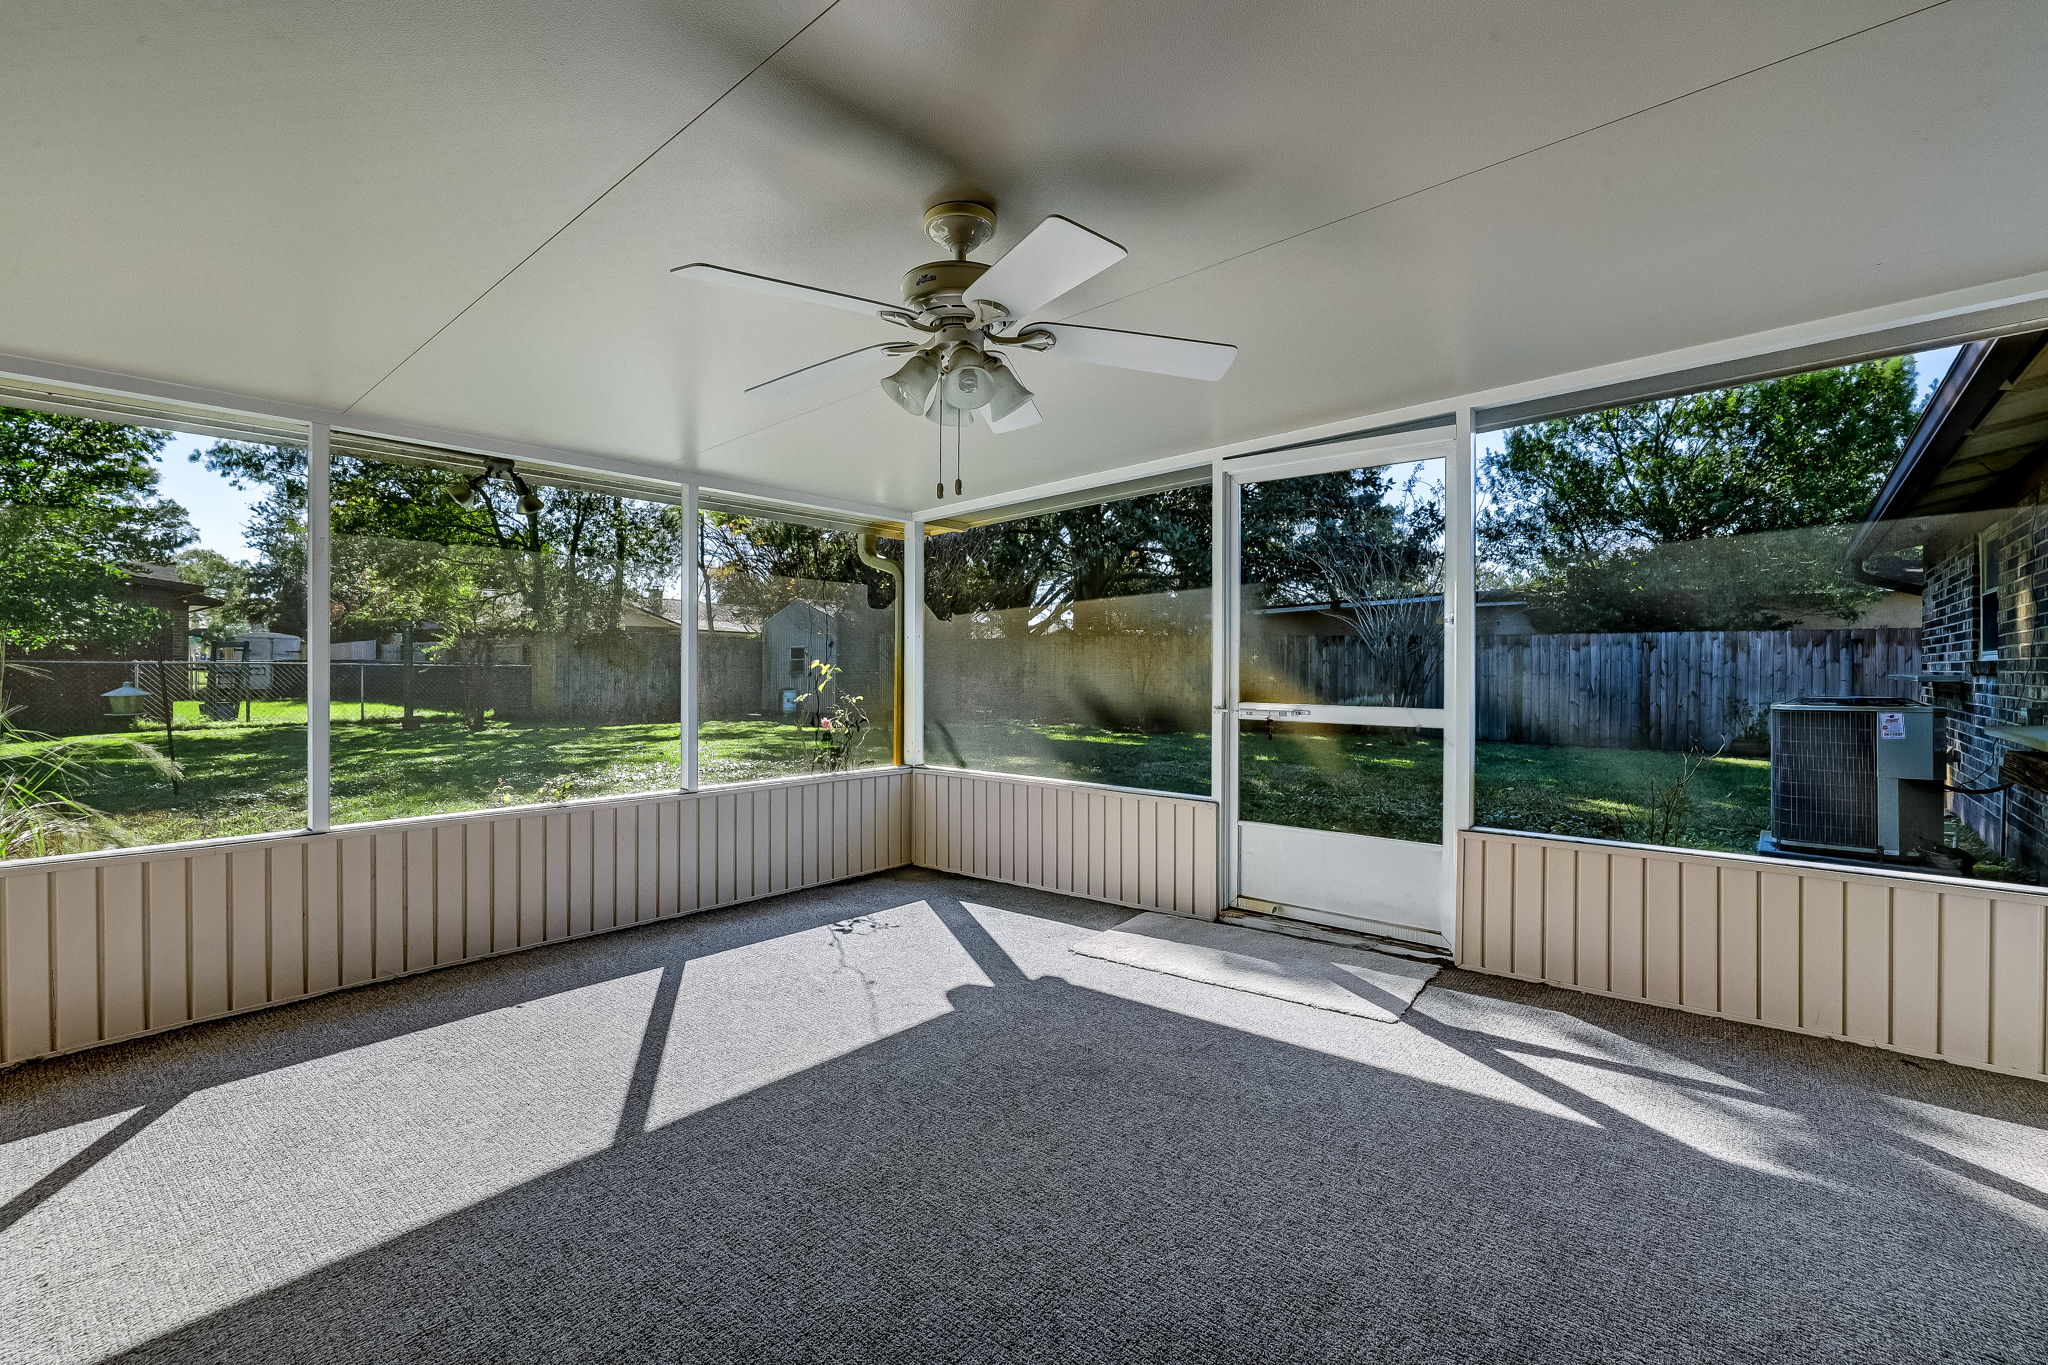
(2016, 693)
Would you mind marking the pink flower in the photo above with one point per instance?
(824, 722)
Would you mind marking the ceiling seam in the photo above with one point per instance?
(1399, 198)
(1506, 160)
(578, 215)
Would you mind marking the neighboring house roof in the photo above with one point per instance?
(1985, 432)
(724, 621)
(161, 579)
(633, 617)
(1488, 597)
(803, 607)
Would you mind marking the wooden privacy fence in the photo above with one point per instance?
(1677, 689)
(1340, 670)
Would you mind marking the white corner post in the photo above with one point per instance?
(319, 629)
(1461, 718)
(690, 610)
(1223, 573)
(912, 625)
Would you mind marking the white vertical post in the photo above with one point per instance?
(691, 612)
(1460, 652)
(1223, 607)
(319, 647)
(912, 719)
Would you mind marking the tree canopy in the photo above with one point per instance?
(1713, 511)
(407, 553)
(755, 566)
(79, 508)
(1353, 536)
(1046, 564)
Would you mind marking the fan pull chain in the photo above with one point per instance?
(942, 450)
(959, 435)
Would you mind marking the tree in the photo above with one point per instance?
(1368, 546)
(1381, 564)
(411, 559)
(79, 508)
(753, 567)
(273, 591)
(226, 579)
(1716, 511)
(1066, 569)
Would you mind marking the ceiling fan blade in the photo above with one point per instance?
(1026, 416)
(782, 289)
(1138, 350)
(1054, 257)
(810, 376)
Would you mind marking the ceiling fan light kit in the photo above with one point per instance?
(913, 385)
(961, 308)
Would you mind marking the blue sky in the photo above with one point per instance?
(219, 511)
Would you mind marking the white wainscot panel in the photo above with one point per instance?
(95, 947)
(1931, 967)
(1146, 850)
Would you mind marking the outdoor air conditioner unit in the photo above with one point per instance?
(1854, 776)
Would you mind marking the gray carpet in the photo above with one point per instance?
(900, 1121)
(1323, 976)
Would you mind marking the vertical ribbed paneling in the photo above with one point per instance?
(1922, 967)
(1129, 848)
(105, 947)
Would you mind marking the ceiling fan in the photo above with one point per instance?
(968, 311)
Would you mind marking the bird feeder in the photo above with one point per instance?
(125, 700)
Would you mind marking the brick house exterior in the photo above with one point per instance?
(2011, 690)
(64, 696)
(1970, 493)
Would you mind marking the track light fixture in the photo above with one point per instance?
(471, 492)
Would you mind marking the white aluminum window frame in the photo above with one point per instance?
(1988, 588)
(182, 408)
(2000, 308)
(1989, 309)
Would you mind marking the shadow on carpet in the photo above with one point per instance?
(1054, 1173)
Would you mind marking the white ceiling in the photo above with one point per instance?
(461, 215)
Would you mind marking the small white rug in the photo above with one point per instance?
(1354, 981)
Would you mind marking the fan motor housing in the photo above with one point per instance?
(940, 282)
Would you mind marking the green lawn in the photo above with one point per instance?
(1389, 783)
(249, 779)
(1624, 794)
(1078, 753)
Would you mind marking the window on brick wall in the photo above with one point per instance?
(1789, 618)
(1988, 595)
